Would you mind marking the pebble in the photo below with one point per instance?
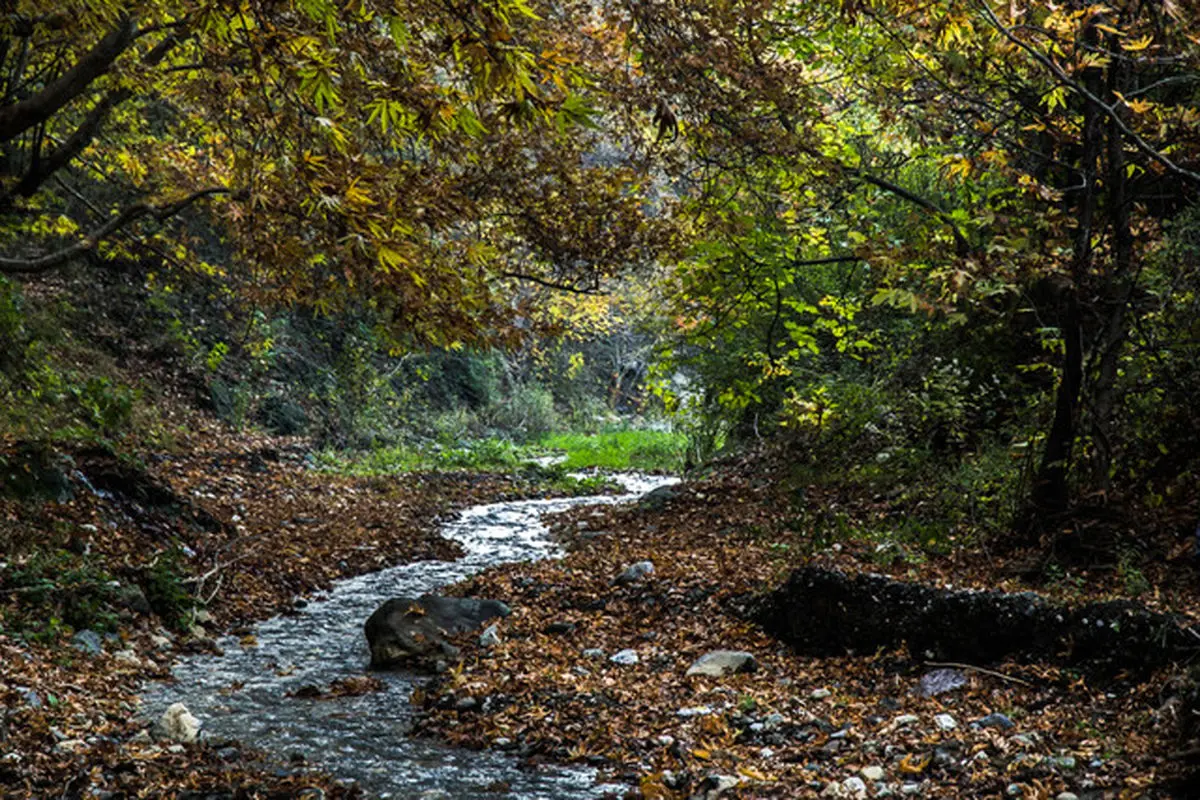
(70, 745)
(718, 663)
(945, 722)
(873, 774)
(625, 657)
(819, 694)
(490, 636)
(87, 642)
(1014, 790)
(905, 719)
(854, 787)
(910, 789)
(634, 572)
(693, 711)
(593, 652)
(1063, 762)
(996, 720)
(1067, 796)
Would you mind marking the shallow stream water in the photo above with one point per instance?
(365, 738)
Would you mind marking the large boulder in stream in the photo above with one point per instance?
(414, 633)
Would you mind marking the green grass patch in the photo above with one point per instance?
(484, 455)
(645, 450)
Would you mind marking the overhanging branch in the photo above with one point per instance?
(28, 266)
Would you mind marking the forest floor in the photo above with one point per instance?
(564, 683)
(254, 531)
(260, 529)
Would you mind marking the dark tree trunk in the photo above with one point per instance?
(1051, 493)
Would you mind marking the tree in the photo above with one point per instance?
(981, 160)
(403, 159)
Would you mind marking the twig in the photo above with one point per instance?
(973, 668)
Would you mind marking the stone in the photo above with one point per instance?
(1014, 790)
(160, 642)
(594, 653)
(996, 720)
(560, 628)
(70, 746)
(854, 787)
(656, 499)
(178, 724)
(713, 786)
(910, 789)
(131, 596)
(1066, 796)
(407, 632)
(129, 657)
(1064, 762)
(905, 720)
(626, 657)
(719, 663)
(88, 642)
(819, 694)
(31, 698)
(634, 573)
(945, 722)
(940, 681)
(490, 636)
(873, 774)
(693, 711)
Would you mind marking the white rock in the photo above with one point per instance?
(178, 724)
(819, 694)
(70, 746)
(160, 642)
(873, 774)
(1067, 796)
(490, 636)
(945, 722)
(693, 711)
(904, 720)
(854, 787)
(718, 663)
(128, 656)
(910, 789)
(625, 657)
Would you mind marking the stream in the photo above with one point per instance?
(364, 738)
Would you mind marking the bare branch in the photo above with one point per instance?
(13, 266)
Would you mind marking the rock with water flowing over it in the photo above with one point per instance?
(178, 724)
(407, 632)
(719, 663)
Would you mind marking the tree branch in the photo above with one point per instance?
(961, 245)
(549, 284)
(20, 117)
(13, 266)
(1091, 97)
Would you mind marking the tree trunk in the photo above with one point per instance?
(1051, 489)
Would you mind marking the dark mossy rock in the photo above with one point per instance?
(35, 471)
(827, 612)
(414, 632)
(281, 416)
